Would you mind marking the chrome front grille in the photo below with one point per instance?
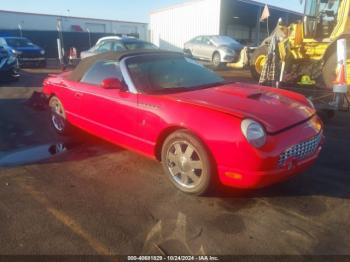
(300, 151)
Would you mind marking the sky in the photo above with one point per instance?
(128, 10)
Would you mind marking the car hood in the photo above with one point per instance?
(31, 49)
(235, 47)
(87, 53)
(276, 112)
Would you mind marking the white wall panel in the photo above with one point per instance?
(172, 27)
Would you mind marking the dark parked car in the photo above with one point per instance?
(8, 66)
(118, 44)
(27, 52)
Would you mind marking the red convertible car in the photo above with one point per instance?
(202, 128)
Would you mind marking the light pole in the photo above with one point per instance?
(88, 30)
(60, 41)
(20, 29)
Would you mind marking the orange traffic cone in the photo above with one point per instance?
(341, 78)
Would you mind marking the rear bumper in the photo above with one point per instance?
(258, 179)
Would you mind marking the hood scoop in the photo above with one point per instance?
(255, 96)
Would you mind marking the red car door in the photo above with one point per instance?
(109, 113)
(71, 97)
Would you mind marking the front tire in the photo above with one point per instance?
(257, 61)
(15, 75)
(58, 116)
(187, 163)
(216, 61)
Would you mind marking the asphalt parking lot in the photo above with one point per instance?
(80, 195)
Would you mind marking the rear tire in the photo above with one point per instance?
(256, 60)
(187, 163)
(58, 117)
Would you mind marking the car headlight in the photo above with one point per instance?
(16, 52)
(42, 52)
(254, 132)
(311, 104)
(12, 59)
(228, 51)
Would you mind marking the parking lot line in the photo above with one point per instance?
(65, 219)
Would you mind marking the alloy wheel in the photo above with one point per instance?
(57, 116)
(217, 60)
(184, 164)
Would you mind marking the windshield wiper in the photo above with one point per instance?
(213, 85)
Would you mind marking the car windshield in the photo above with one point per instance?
(19, 42)
(170, 73)
(139, 45)
(225, 40)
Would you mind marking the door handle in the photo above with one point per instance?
(78, 94)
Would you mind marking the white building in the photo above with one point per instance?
(171, 27)
(11, 21)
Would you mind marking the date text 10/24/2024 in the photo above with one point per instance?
(173, 258)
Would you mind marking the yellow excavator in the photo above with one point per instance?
(308, 48)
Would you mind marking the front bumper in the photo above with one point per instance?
(23, 60)
(259, 179)
(229, 57)
(285, 154)
(33, 59)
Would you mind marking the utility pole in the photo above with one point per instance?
(20, 30)
(89, 33)
(60, 42)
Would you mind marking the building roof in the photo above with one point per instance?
(70, 17)
(253, 2)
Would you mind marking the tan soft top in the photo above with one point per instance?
(85, 64)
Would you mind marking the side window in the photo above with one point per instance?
(105, 46)
(206, 41)
(118, 46)
(101, 71)
(198, 40)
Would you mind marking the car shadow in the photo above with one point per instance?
(27, 138)
(30, 78)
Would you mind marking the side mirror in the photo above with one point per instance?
(112, 83)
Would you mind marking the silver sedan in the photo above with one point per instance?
(217, 49)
